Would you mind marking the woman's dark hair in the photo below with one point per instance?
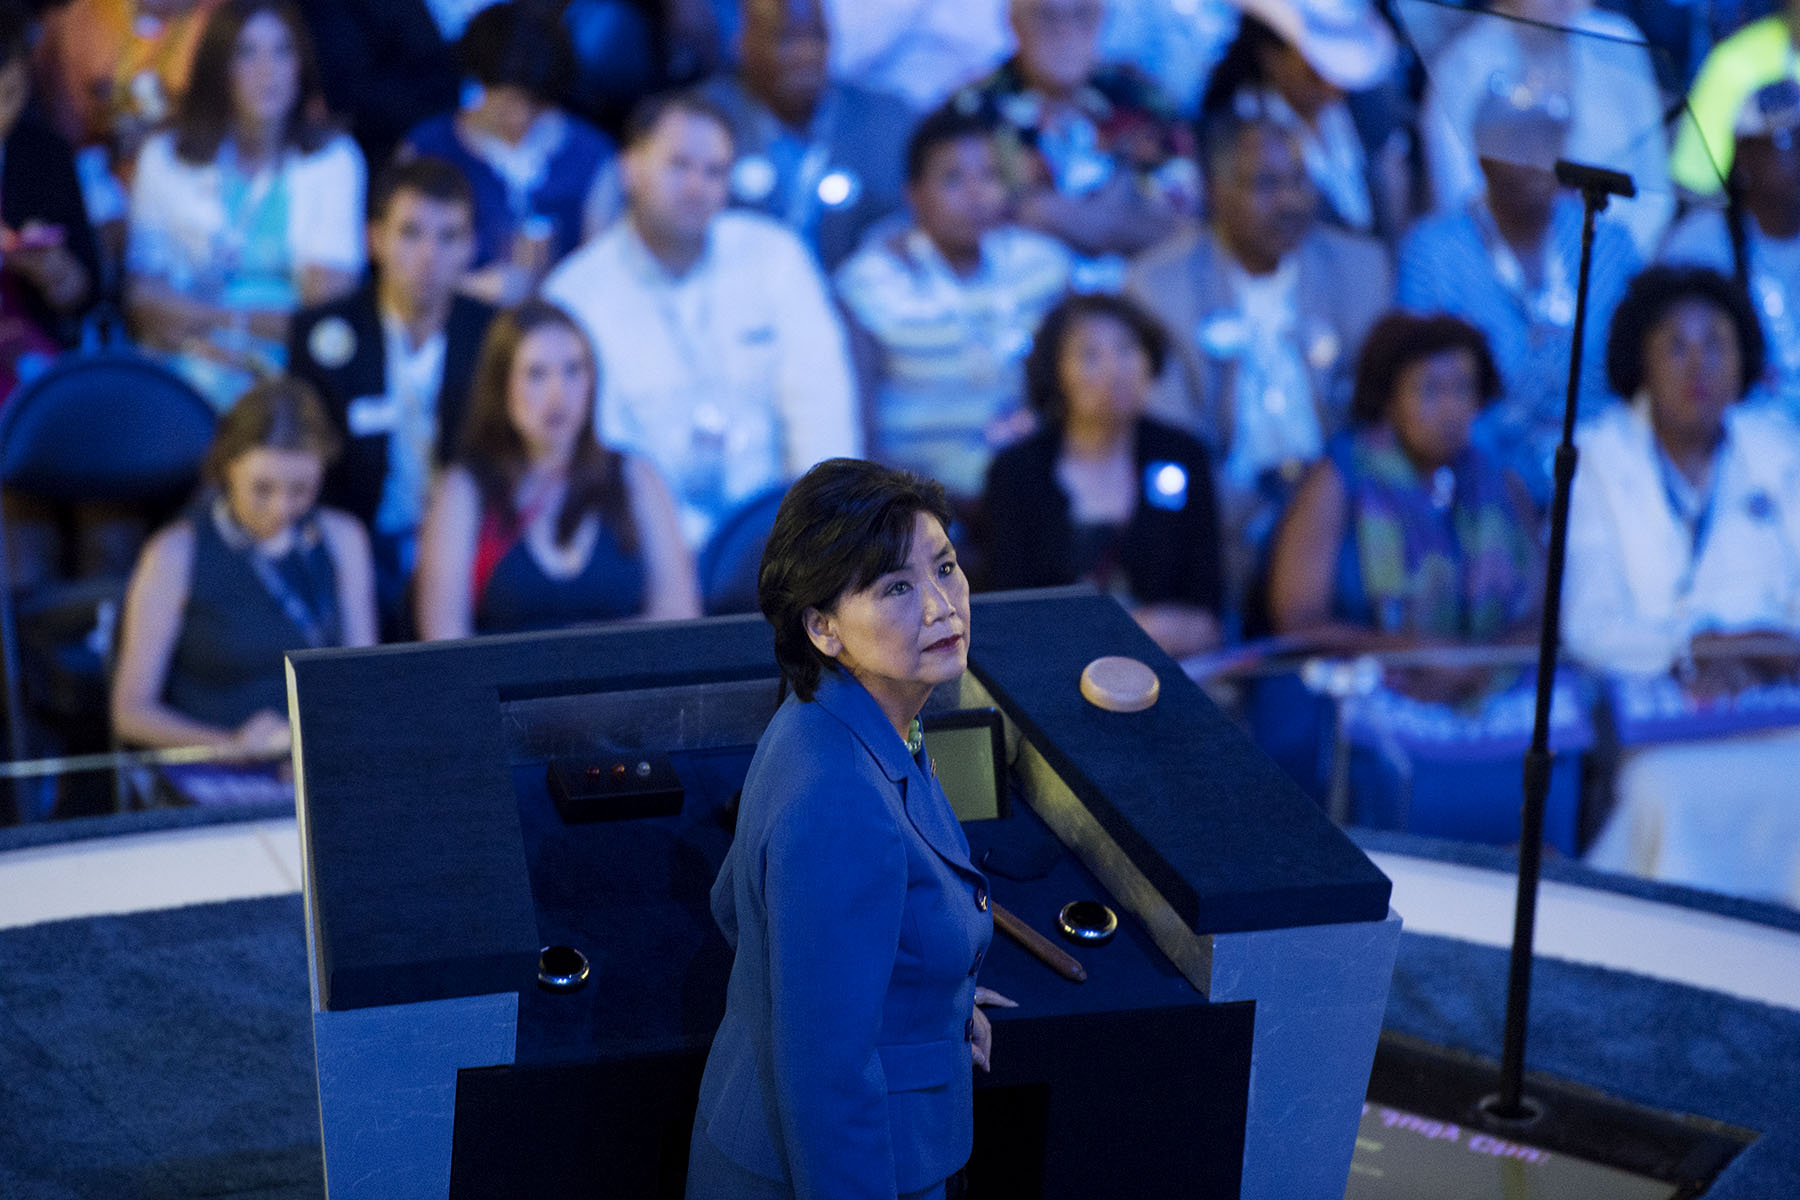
(282, 413)
(1043, 380)
(843, 525)
(1399, 340)
(492, 451)
(941, 128)
(519, 45)
(204, 117)
(1648, 300)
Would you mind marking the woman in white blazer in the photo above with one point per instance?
(247, 207)
(1684, 578)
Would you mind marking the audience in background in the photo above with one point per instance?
(1507, 263)
(725, 363)
(921, 50)
(1323, 67)
(1761, 52)
(393, 362)
(539, 525)
(1268, 309)
(1093, 154)
(534, 168)
(1102, 491)
(1588, 64)
(822, 156)
(247, 207)
(49, 267)
(109, 73)
(944, 310)
(1756, 239)
(1177, 43)
(1406, 534)
(253, 570)
(1684, 557)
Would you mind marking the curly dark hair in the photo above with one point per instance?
(942, 127)
(1399, 340)
(1648, 300)
(1043, 382)
(843, 525)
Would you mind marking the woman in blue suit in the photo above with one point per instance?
(842, 1067)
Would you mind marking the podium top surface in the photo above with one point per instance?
(415, 857)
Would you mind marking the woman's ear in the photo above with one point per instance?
(821, 628)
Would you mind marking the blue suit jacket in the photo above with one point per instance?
(842, 1065)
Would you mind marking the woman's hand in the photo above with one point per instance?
(981, 1046)
(264, 736)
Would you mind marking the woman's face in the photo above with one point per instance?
(1692, 369)
(1435, 402)
(268, 489)
(908, 631)
(549, 392)
(265, 71)
(1104, 371)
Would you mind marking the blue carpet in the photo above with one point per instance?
(169, 1054)
(159, 1054)
(1656, 1043)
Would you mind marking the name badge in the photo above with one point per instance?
(370, 415)
(1166, 486)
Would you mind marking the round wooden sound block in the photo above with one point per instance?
(1119, 684)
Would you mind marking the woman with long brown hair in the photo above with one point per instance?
(537, 525)
(247, 207)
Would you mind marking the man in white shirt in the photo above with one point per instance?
(721, 357)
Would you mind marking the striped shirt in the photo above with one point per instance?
(952, 347)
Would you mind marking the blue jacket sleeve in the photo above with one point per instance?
(834, 883)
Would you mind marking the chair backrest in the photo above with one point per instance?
(104, 425)
(731, 558)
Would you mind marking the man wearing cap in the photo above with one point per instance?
(821, 156)
(1325, 68)
(1601, 72)
(721, 357)
(1093, 154)
(1757, 238)
(1268, 310)
(1506, 262)
(1761, 52)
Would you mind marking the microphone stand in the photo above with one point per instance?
(1596, 185)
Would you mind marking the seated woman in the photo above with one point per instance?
(246, 208)
(534, 168)
(1684, 584)
(1406, 536)
(255, 569)
(537, 525)
(1103, 492)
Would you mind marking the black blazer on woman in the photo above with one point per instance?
(38, 183)
(1168, 552)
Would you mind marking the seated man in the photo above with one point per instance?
(1506, 262)
(822, 156)
(721, 358)
(1094, 155)
(1267, 310)
(393, 363)
(947, 308)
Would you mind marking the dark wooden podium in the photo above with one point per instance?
(1221, 1044)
